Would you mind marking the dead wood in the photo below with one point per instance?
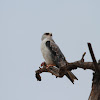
(94, 66)
(70, 66)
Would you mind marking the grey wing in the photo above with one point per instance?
(59, 59)
(56, 54)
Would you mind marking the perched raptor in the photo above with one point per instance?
(53, 55)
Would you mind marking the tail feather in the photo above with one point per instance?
(71, 76)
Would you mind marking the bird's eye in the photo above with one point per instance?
(46, 33)
(50, 34)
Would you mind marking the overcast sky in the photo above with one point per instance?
(22, 23)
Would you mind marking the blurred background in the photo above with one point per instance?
(22, 23)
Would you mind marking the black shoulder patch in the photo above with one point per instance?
(48, 43)
(50, 48)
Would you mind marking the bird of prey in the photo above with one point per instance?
(53, 55)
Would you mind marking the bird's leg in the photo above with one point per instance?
(47, 66)
(51, 65)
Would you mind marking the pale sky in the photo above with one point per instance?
(22, 23)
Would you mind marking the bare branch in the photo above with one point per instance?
(52, 70)
(95, 92)
(80, 64)
(83, 56)
(70, 66)
(93, 57)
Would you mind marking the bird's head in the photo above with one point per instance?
(46, 35)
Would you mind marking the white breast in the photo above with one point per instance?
(46, 53)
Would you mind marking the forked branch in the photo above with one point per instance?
(70, 66)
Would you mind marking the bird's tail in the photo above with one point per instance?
(71, 76)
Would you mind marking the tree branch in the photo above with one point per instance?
(70, 66)
(93, 57)
(79, 64)
(52, 70)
